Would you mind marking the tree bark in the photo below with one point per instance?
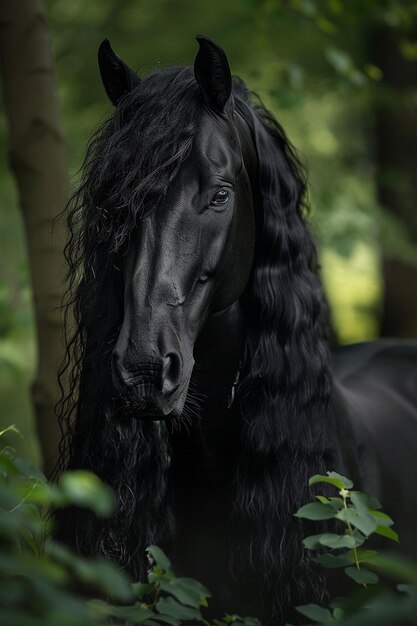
(396, 151)
(37, 157)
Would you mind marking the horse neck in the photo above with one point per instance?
(206, 448)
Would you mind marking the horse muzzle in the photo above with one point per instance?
(155, 389)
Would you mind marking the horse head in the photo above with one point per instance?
(190, 255)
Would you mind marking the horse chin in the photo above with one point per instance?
(158, 411)
(155, 415)
(152, 416)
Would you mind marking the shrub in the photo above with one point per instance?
(38, 576)
(357, 517)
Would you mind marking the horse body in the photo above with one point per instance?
(375, 390)
(202, 388)
(374, 423)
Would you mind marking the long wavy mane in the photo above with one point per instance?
(129, 164)
(285, 388)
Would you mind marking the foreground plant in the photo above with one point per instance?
(357, 517)
(165, 599)
(38, 575)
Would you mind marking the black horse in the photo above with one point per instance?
(201, 387)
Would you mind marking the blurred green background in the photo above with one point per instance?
(338, 75)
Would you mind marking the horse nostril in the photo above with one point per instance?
(115, 371)
(171, 372)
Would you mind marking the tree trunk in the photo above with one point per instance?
(37, 157)
(396, 148)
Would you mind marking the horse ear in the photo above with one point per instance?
(212, 73)
(118, 79)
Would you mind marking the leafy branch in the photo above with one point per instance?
(360, 517)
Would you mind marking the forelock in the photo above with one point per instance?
(136, 154)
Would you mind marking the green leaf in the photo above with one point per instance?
(396, 566)
(387, 532)
(8, 498)
(362, 502)
(347, 483)
(156, 574)
(137, 614)
(362, 576)
(336, 503)
(170, 607)
(410, 590)
(85, 489)
(364, 556)
(359, 538)
(316, 511)
(11, 429)
(159, 558)
(44, 494)
(59, 601)
(334, 541)
(7, 467)
(142, 589)
(315, 612)
(339, 614)
(312, 542)
(332, 561)
(112, 580)
(29, 539)
(330, 540)
(30, 566)
(165, 619)
(99, 572)
(382, 519)
(185, 590)
(29, 471)
(332, 478)
(363, 522)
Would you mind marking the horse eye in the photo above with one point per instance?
(220, 197)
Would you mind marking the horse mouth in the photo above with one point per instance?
(155, 407)
(152, 414)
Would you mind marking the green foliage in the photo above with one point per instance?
(38, 575)
(358, 516)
